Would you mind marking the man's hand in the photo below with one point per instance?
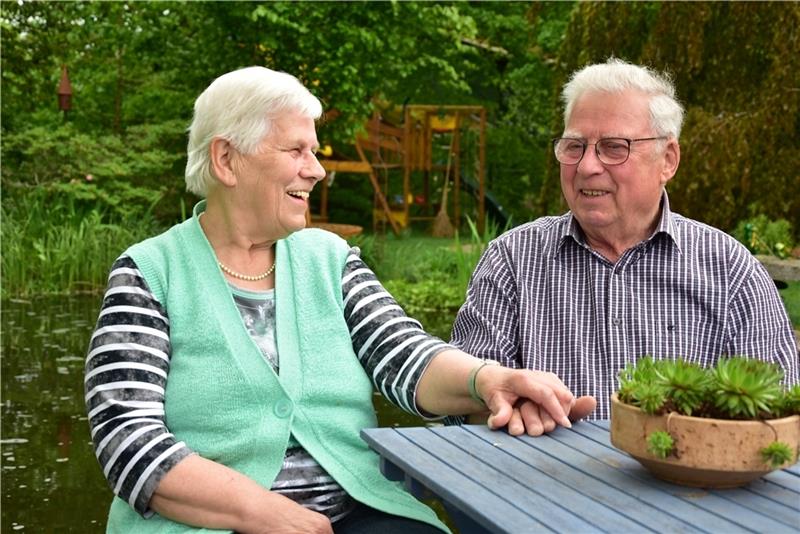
(529, 401)
(528, 418)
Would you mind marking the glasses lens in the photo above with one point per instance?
(613, 151)
(569, 151)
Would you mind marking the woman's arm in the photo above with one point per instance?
(392, 347)
(396, 353)
(126, 377)
(525, 401)
(203, 493)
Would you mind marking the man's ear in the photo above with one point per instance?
(222, 154)
(672, 158)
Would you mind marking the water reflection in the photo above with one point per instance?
(51, 479)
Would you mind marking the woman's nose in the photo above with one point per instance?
(312, 168)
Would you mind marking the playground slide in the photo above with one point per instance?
(493, 207)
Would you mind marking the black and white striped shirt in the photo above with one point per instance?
(541, 298)
(127, 369)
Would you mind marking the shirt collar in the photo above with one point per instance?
(666, 225)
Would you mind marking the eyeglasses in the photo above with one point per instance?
(609, 150)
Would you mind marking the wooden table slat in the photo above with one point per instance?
(554, 483)
(531, 502)
(450, 485)
(712, 501)
(572, 480)
(707, 511)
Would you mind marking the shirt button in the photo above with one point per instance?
(616, 321)
(283, 408)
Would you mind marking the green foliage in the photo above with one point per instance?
(660, 444)
(762, 236)
(425, 296)
(776, 454)
(429, 274)
(791, 299)
(736, 388)
(744, 388)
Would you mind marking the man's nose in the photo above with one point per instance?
(590, 163)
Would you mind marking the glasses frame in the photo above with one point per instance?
(556, 140)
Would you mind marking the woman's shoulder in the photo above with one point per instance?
(317, 238)
(162, 243)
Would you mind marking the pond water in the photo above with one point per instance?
(51, 481)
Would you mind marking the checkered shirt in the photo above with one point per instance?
(541, 298)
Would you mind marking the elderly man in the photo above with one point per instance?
(620, 275)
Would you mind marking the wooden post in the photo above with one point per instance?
(457, 171)
(377, 187)
(482, 173)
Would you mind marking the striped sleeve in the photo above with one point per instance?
(125, 378)
(393, 348)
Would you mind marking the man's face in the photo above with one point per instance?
(617, 202)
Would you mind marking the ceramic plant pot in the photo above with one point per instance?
(709, 453)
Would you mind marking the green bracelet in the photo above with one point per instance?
(473, 377)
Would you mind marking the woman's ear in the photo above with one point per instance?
(222, 153)
(672, 158)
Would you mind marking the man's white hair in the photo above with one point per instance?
(616, 76)
(240, 107)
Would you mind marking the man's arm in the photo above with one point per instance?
(487, 323)
(758, 325)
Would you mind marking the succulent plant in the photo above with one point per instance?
(736, 388)
(790, 404)
(660, 444)
(686, 384)
(776, 454)
(745, 389)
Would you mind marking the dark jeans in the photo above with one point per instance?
(366, 520)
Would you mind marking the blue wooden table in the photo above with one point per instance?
(570, 481)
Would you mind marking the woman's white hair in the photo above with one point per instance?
(616, 76)
(240, 107)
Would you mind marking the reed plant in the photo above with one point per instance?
(51, 247)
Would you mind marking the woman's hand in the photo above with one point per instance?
(295, 519)
(524, 400)
(203, 493)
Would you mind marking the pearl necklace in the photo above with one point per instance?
(241, 276)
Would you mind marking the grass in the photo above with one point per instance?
(791, 299)
(427, 274)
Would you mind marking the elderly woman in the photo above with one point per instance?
(235, 355)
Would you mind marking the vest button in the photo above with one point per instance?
(283, 408)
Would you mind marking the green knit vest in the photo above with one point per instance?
(223, 399)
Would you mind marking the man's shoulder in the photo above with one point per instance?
(535, 241)
(687, 228)
(691, 234)
(543, 229)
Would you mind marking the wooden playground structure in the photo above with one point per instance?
(406, 165)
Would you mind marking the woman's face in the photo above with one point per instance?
(275, 181)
